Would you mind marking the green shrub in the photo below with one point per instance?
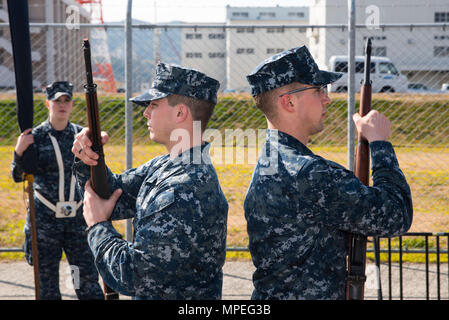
(423, 121)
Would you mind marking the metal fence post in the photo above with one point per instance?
(401, 289)
(426, 237)
(128, 104)
(438, 268)
(351, 82)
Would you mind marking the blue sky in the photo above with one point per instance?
(159, 11)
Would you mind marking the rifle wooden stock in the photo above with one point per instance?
(362, 158)
(98, 173)
(29, 178)
(355, 284)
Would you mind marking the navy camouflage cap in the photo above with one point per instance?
(294, 65)
(173, 79)
(59, 88)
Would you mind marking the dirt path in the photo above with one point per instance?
(16, 281)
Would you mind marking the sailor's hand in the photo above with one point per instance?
(96, 209)
(374, 126)
(24, 141)
(82, 147)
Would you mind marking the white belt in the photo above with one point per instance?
(58, 153)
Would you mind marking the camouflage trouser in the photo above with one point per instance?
(54, 236)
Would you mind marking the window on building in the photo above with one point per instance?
(275, 30)
(296, 14)
(441, 51)
(379, 51)
(213, 55)
(375, 38)
(194, 55)
(191, 36)
(441, 37)
(245, 30)
(274, 50)
(441, 16)
(240, 14)
(245, 51)
(216, 35)
(270, 14)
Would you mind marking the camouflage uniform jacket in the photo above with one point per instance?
(180, 216)
(298, 216)
(46, 171)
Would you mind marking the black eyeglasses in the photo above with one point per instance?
(323, 90)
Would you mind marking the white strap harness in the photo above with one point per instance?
(58, 153)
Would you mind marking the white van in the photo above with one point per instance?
(445, 87)
(384, 75)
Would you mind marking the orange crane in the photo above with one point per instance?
(102, 70)
(94, 4)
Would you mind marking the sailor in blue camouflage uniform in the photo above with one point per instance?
(58, 207)
(300, 206)
(179, 209)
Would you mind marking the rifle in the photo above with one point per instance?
(355, 283)
(98, 173)
(21, 47)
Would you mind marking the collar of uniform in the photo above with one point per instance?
(49, 128)
(191, 155)
(287, 140)
(194, 155)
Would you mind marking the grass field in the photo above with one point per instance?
(426, 170)
(417, 121)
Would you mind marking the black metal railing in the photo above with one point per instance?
(402, 248)
(420, 245)
(417, 248)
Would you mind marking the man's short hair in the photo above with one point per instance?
(267, 101)
(201, 109)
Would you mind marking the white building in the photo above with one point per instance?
(229, 55)
(255, 33)
(422, 54)
(247, 46)
(204, 49)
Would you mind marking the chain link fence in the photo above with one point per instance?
(409, 75)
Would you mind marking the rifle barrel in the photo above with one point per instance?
(357, 243)
(366, 78)
(98, 173)
(87, 59)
